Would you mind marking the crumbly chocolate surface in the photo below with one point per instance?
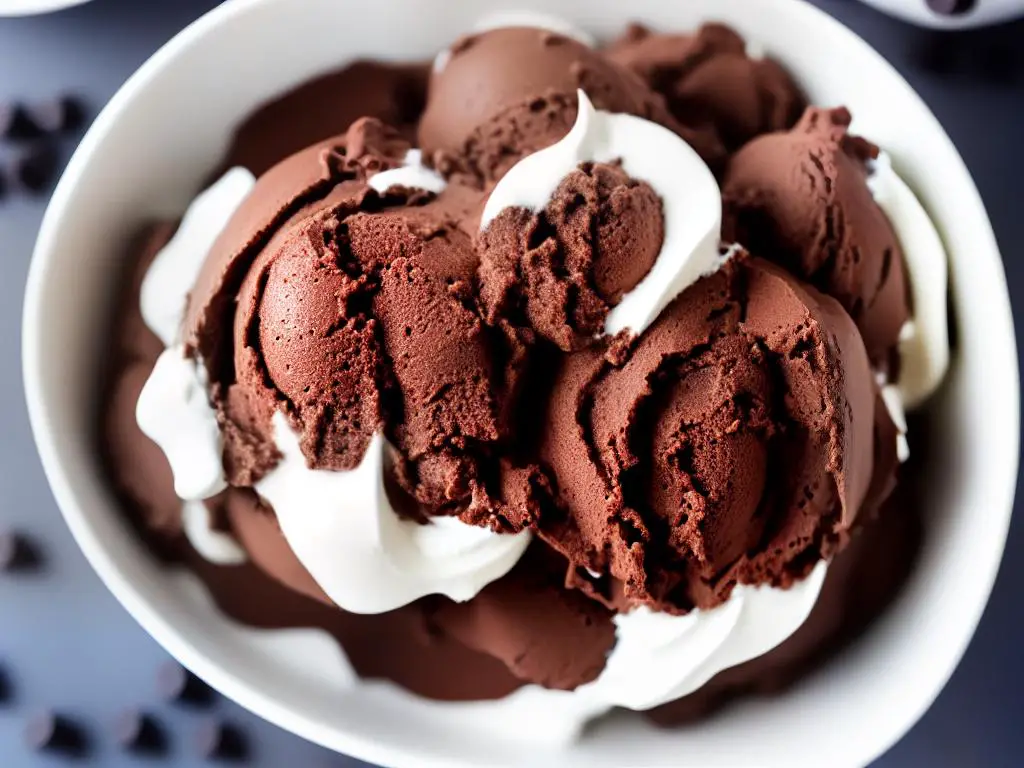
(740, 439)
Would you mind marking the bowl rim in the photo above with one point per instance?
(106, 565)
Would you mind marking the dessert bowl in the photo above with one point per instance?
(165, 132)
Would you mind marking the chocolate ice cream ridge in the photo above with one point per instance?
(648, 152)
(340, 523)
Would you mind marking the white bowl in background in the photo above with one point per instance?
(982, 12)
(32, 7)
(163, 133)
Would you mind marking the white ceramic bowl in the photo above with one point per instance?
(161, 135)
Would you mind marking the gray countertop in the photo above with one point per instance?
(64, 641)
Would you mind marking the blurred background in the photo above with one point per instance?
(68, 649)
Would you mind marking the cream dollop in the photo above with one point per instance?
(216, 546)
(659, 657)
(691, 200)
(174, 412)
(174, 409)
(364, 556)
(412, 174)
(924, 340)
(173, 272)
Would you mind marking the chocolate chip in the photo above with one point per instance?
(62, 114)
(50, 732)
(15, 123)
(6, 690)
(17, 553)
(135, 731)
(217, 740)
(177, 684)
(951, 7)
(35, 168)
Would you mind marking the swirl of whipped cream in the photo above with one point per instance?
(691, 200)
(366, 558)
(924, 340)
(174, 409)
(214, 545)
(340, 524)
(659, 657)
(411, 173)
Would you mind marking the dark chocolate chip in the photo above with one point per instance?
(135, 731)
(952, 7)
(6, 689)
(217, 740)
(15, 123)
(175, 683)
(50, 732)
(35, 168)
(17, 553)
(62, 114)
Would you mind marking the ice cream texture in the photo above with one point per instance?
(593, 361)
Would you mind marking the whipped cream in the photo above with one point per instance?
(412, 174)
(174, 409)
(216, 546)
(174, 412)
(924, 340)
(893, 401)
(366, 558)
(659, 657)
(174, 271)
(691, 200)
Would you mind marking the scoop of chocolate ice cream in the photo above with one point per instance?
(733, 444)
(500, 95)
(557, 272)
(801, 198)
(543, 633)
(352, 311)
(707, 78)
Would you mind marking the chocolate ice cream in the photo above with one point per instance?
(709, 81)
(559, 271)
(801, 199)
(733, 445)
(499, 95)
(355, 309)
(422, 417)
